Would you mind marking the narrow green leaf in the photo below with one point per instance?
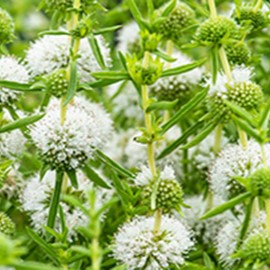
(103, 83)
(114, 165)
(49, 250)
(225, 206)
(107, 30)
(96, 50)
(24, 87)
(74, 201)
(136, 13)
(182, 139)
(81, 250)
(164, 56)
(161, 105)
(244, 114)
(111, 75)
(55, 199)
(264, 117)
(23, 122)
(94, 177)
(150, 7)
(45, 167)
(72, 86)
(123, 60)
(248, 129)
(169, 8)
(182, 69)
(28, 265)
(73, 178)
(193, 266)
(184, 110)
(54, 33)
(202, 135)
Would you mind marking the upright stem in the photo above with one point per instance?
(158, 218)
(225, 64)
(263, 155)
(243, 138)
(218, 139)
(212, 7)
(267, 208)
(258, 5)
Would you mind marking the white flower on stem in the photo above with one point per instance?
(138, 247)
(235, 161)
(68, 145)
(11, 70)
(51, 53)
(36, 196)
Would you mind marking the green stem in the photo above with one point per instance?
(225, 64)
(264, 160)
(267, 209)
(158, 218)
(258, 5)
(95, 254)
(218, 139)
(243, 138)
(212, 7)
(55, 199)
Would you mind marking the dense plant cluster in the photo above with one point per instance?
(134, 135)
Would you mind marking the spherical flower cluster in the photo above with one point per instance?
(36, 196)
(204, 230)
(235, 161)
(137, 246)
(68, 145)
(7, 27)
(247, 15)
(260, 182)
(215, 29)
(13, 71)
(180, 18)
(168, 190)
(128, 38)
(51, 53)
(181, 86)
(237, 53)
(57, 83)
(240, 90)
(7, 226)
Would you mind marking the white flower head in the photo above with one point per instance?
(204, 230)
(128, 36)
(11, 70)
(235, 161)
(240, 74)
(51, 53)
(68, 145)
(36, 196)
(138, 247)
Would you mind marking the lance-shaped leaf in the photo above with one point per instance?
(161, 105)
(202, 134)
(54, 33)
(164, 56)
(244, 114)
(106, 30)
(49, 250)
(93, 176)
(225, 206)
(182, 69)
(184, 110)
(264, 117)
(24, 87)
(73, 178)
(248, 129)
(54, 205)
(111, 75)
(29, 265)
(72, 86)
(96, 50)
(123, 60)
(169, 8)
(114, 165)
(182, 139)
(20, 123)
(136, 13)
(103, 83)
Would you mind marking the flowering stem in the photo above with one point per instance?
(267, 208)
(212, 7)
(225, 63)
(243, 138)
(258, 5)
(55, 199)
(218, 138)
(263, 155)
(157, 224)
(256, 208)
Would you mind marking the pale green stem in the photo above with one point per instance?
(218, 139)
(267, 209)
(158, 218)
(225, 64)
(263, 155)
(256, 208)
(258, 5)
(212, 7)
(243, 138)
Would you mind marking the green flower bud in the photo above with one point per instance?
(144, 75)
(215, 29)
(260, 182)
(247, 15)
(180, 18)
(58, 5)
(6, 224)
(7, 27)
(169, 195)
(256, 248)
(150, 41)
(237, 53)
(171, 89)
(83, 28)
(246, 94)
(57, 83)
